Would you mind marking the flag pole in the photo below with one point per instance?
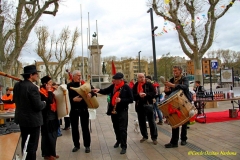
(90, 48)
(98, 57)
(88, 56)
(83, 73)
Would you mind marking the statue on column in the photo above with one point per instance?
(94, 39)
(103, 68)
(94, 35)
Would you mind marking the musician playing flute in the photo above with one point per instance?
(176, 83)
(121, 96)
(49, 129)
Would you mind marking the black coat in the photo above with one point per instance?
(150, 94)
(82, 105)
(183, 85)
(125, 96)
(28, 104)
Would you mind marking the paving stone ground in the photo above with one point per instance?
(206, 139)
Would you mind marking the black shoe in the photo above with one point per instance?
(87, 150)
(170, 145)
(116, 145)
(66, 128)
(75, 149)
(59, 135)
(183, 143)
(143, 140)
(123, 151)
(188, 127)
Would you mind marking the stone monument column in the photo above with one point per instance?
(99, 79)
(95, 51)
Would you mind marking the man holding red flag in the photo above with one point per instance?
(120, 97)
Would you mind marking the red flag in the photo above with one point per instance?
(113, 68)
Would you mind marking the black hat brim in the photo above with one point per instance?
(29, 73)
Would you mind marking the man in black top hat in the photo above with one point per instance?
(120, 97)
(28, 113)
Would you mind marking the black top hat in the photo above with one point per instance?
(45, 79)
(30, 69)
(118, 76)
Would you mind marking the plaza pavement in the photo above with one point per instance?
(206, 139)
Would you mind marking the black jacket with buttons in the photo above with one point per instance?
(28, 102)
(125, 95)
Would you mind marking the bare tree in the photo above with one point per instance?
(109, 58)
(16, 23)
(195, 37)
(165, 64)
(60, 50)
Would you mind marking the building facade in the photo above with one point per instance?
(52, 66)
(77, 64)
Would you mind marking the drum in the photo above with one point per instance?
(176, 109)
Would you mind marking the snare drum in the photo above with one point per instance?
(176, 109)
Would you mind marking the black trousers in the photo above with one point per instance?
(34, 133)
(84, 119)
(175, 134)
(48, 144)
(67, 122)
(151, 121)
(120, 124)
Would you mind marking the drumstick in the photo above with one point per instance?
(162, 79)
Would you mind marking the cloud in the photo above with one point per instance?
(124, 28)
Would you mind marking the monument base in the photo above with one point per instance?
(101, 81)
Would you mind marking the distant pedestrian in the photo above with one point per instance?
(131, 83)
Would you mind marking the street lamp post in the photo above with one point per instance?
(139, 67)
(153, 43)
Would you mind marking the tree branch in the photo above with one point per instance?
(226, 9)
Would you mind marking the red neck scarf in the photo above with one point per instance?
(139, 87)
(116, 92)
(45, 93)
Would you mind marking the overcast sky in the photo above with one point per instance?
(124, 28)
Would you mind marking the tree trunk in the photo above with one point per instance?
(197, 61)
